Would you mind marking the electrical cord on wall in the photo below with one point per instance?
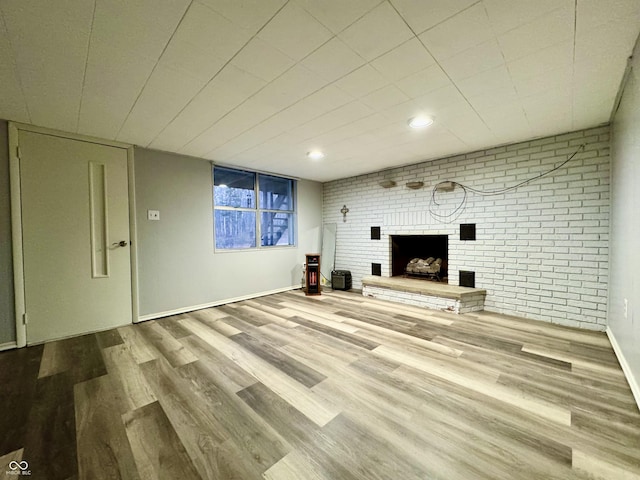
(453, 215)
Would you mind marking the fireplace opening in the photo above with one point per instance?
(405, 248)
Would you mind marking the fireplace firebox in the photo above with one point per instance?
(405, 248)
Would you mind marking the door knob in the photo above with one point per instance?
(121, 243)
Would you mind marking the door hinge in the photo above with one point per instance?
(18, 152)
(24, 318)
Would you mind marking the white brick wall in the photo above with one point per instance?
(541, 250)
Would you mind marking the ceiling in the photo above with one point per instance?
(259, 83)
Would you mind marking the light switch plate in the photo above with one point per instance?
(153, 214)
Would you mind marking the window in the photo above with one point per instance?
(252, 209)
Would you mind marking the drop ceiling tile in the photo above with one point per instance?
(542, 61)
(227, 128)
(399, 114)
(506, 120)
(247, 14)
(192, 59)
(420, 16)
(496, 81)
(163, 97)
(475, 60)
(404, 60)
(262, 60)
(362, 81)
(337, 15)
(379, 31)
(141, 28)
(290, 87)
(551, 104)
(598, 80)
(556, 25)
(440, 99)
(333, 60)
(112, 83)
(465, 30)
(204, 28)
(12, 102)
(589, 111)
(294, 32)
(506, 15)
(469, 129)
(385, 97)
(225, 92)
(50, 65)
(552, 79)
(340, 116)
(607, 42)
(326, 99)
(591, 15)
(427, 80)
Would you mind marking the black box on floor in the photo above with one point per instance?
(341, 280)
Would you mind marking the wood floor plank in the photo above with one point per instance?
(193, 420)
(307, 376)
(339, 334)
(295, 393)
(78, 356)
(534, 406)
(128, 378)
(141, 350)
(108, 338)
(165, 456)
(167, 345)
(18, 376)
(50, 440)
(103, 447)
(262, 445)
(225, 372)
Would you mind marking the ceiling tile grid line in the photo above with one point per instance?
(86, 64)
(155, 66)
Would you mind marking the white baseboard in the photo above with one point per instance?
(633, 383)
(8, 346)
(192, 308)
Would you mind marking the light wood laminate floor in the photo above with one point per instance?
(339, 386)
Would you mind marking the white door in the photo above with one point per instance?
(75, 214)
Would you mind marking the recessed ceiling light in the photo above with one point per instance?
(315, 154)
(420, 121)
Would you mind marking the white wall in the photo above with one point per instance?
(177, 265)
(541, 251)
(625, 229)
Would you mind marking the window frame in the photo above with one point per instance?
(256, 210)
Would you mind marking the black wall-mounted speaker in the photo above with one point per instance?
(467, 279)
(467, 231)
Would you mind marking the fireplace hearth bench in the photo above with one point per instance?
(438, 296)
